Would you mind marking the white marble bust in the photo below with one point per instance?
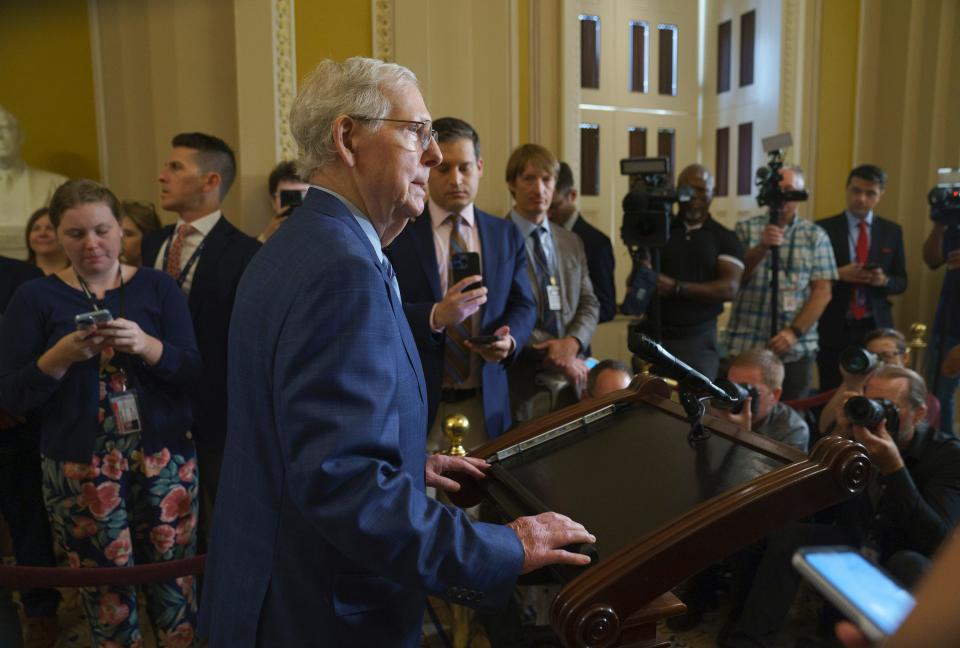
(23, 189)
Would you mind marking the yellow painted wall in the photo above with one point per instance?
(331, 29)
(46, 80)
(523, 72)
(837, 103)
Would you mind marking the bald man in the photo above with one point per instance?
(700, 269)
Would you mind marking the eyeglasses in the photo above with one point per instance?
(889, 356)
(424, 132)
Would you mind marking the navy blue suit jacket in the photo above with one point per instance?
(322, 533)
(600, 263)
(13, 273)
(226, 253)
(509, 302)
(886, 249)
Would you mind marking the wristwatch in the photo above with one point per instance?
(680, 289)
(796, 330)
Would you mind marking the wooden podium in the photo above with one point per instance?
(662, 506)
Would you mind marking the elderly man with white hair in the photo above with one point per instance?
(323, 534)
(23, 189)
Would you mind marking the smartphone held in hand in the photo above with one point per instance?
(862, 591)
(87, 320)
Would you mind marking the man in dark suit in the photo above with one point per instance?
(323, 532)
(12, 274)
(596, 244)
(206, 255)
(870, 261)
(422, 255)
(567, 309)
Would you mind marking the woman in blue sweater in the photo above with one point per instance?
(119, 466)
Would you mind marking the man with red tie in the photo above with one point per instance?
(871, 265)
(206, 255)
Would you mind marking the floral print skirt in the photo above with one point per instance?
(121, 509)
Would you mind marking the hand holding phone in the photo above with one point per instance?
(483, 340)
(857, 587)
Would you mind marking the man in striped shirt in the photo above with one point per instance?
(807, 270)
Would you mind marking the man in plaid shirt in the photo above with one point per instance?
(807, 270)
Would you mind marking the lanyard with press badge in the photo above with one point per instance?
(125, 404)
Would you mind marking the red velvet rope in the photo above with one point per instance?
(806, 403)
(31, 577)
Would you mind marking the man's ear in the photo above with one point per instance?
(212, 182)
(512, 186)
(776, 393)
(479, 166)
(919, 414)
(573, 193)
(344, 130)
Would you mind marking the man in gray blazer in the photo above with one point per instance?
(567, 309)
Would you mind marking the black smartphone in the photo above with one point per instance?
(857, 587)
(481, 340)
(291, 198)
(465, 264)
(871, 266)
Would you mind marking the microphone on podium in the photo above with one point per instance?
(670, 366)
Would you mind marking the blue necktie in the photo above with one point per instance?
(391, 275)
(548, 318)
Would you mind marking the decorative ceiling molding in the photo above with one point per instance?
(383, 30)
(285, 76)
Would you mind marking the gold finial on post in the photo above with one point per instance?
(917, 345)
(455, 428)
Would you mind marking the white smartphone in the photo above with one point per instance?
(862, 591)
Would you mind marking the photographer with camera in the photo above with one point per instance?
(806, 273)
(284, 185)
(910, 504)
(881, 347)
(760, 372)
(871, 264)
(700, 269)
(942, 247)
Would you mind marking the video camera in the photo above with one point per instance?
(944, 199)
(868, 413)
(648, 206)
(768, 177)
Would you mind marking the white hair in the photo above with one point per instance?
(354, 87)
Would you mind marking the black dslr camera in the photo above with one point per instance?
(944, 199)
(857, 360)
(869, 412)
(741, 392)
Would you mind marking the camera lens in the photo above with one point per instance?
(864, 412)
(857, 360)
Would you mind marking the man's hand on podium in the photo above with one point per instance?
(543, 537)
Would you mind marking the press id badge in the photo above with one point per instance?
(788, 298)
(126, 412)
(553, 295)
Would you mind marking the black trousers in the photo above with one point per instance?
(21, 503)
